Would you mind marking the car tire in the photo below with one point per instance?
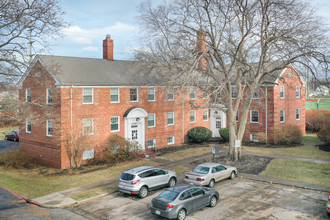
(211, 184)
(181, 214)
(172, 182)
(15, 140)
(143, 192)
(6, 138)
(213, 201)
(232, 175)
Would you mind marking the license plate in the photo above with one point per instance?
(157, 212)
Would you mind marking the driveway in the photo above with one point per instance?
(8, 146)
(240, 199)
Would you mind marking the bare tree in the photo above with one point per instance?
(240, 45)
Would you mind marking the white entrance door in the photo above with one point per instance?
(136, 133)
(218, 120)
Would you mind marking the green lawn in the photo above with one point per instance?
(183, 154)
(307, 150)
(300, 171)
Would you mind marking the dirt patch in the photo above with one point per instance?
(168, 150)
(250, 164)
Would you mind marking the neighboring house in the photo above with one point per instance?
(100, 97)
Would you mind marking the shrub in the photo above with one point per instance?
(16, 159)
(287, 134)
(119, 149)
(315, 119)
(324, 134)
(261, 137)
(224, 132)
(200, 134)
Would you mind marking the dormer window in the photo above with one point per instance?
(49, 96)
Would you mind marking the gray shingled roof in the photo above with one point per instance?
(95, 72)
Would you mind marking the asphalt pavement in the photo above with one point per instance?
(6, 146)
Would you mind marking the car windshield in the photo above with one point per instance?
(168, 194)
(127, 176)
(201, 169)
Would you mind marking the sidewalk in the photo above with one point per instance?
(62, 198)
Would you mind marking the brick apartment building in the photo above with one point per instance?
(100, 97)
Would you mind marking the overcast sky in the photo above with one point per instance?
(91, 20)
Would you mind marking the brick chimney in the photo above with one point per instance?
(201, 49)
(108, 48)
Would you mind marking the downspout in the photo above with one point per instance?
(182, 93)
(266, 116)
(71, 125)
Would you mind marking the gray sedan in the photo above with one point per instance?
(207, 174)
(176, 202)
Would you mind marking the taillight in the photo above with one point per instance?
(200, 179)
(135, 182)
(329, 197)
(170, 206)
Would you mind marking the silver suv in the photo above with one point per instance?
(140, 180)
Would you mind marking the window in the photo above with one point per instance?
(114, 95)
(254, 116)
(253, 137)
(170, 140)
(197, 192)
(49, 128)
(88, 96)
(204, 95)
(158, 172)
(133, 93)
(170, 118)
(297, 91)
(192, 93)
(282, 113)
(151, 120)
(205, 114)
(282, 95)
(170, 94)
(151, 94)
(28, 95)
(185, 195)
(88, 154)
(49, 96)
(256, 94)
(237, 117)
(88, 126)
(114, 124)
(234, 92)
(28, 125)
(192, 116)
(152, 143)
(297, 113)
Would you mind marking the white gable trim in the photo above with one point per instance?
(294, 68)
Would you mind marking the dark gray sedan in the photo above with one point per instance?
(178, 201)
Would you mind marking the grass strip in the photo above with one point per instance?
(183, 154)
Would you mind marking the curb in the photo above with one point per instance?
(27, 200)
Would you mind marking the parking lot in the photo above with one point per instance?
(239, 199)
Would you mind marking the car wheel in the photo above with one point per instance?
(181, 214)
(213, 201)
(143, 192)
(211, 184)
(6, 138)
(232, 175)
(15, 140)
(172, 182)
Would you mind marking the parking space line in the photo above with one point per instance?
(234, 200)
(278, 204)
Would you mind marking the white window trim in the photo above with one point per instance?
(194, 112)
(88, 103)
(173, 140)
(283, 116)
(283, 92)
(92, 133)
(154, 114)
(237, 116)
(256, 97)
(254, 122)
(26, 94)
(298, 119)
(118, 124)
(118, 96)
(47, 96)
(153, 142)
(298, 96)
(173, 119)
(207, 114)
(137, 95)
(154, 93)
(233, 90)
(194, 92)
(26, 125)
(47, 134)
(252, 137)
(170, 92)
(205, 96)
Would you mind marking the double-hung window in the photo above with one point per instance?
(88, 96)
(282, 116)
(28, 125)
(170, 94)
(49, 128)
(204, 95)
(134, 95)
(28, 95)
(49, 96)
(193, 116)
(170, 118)
(256, 94)
(171, 140)
(282, 92)
(192, 93)
(88, 126)
(114, 124)
(151, 94)
(237, 116)
(114, 95)
(151, 120)
(297, 91)
(205, 114)
(234, 92)
(152, 143)
(254, 114)
(297, 114)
